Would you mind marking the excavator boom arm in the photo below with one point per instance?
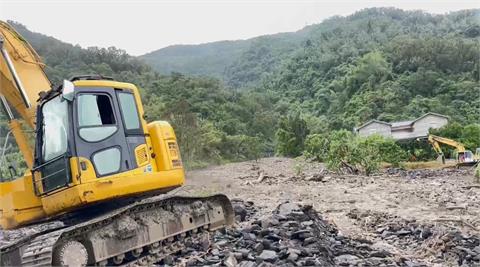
(437, 140)
(22, 78)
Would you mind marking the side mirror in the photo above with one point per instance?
(67, 90)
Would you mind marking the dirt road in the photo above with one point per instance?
(382, 209)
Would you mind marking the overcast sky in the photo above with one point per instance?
(142, 26)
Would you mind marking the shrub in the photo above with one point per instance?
(317, 146)
(388, 149)
(340, 149)
(362, 153)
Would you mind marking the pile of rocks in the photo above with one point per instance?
(293, 236)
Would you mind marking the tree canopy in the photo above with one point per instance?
(379, 63)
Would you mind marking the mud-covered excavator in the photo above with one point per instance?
(98, 173)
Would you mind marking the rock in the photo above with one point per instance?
(346, 260)
(249, 236)
(258, 247)
(380, 254)
(301, 234)
(402, 232)
(268, 255)
(215, 252)
(264, 232)
(317, 177)
(288, 208)
(292, 256)
(273, 237)
(294, 250)
(289, 224)
(247, 264)
(222, 243)
(244, 252)
(426, 233)
(240, 211)
(230, 261)
(267, 244)
(238, 255)
(326, 179)
(269, 222)
(307, 223)
(309, 240)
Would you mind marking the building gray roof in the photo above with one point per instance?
(430, 113)
(370, 122)
(400, 124)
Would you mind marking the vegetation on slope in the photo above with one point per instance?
(383, 63)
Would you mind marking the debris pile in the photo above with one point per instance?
(426, 173)
(437, 243)
(293, 236)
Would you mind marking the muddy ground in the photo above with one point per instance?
(418, 218)
(293, 213)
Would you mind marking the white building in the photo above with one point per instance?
(417, 128)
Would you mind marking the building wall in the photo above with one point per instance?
(430, 121)
(403, 134)
(375, 128)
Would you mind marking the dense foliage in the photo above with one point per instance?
(343, 150)
(279, 93)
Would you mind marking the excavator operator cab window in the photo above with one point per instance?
(96, 118)
(55, 125)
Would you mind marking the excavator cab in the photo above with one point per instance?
(466, 156)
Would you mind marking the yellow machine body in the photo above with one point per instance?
(159, 168)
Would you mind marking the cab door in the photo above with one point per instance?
(100, 132)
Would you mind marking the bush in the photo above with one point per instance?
(340, 150)
(388, 149)
(364, 154)
(317, 146)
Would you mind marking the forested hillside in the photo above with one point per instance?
(204, 59)
(213, 124)
(385, 64)
(224, 59)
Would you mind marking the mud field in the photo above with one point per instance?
(292, 213)
(398, 218)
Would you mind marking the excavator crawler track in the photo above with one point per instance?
(140, 233)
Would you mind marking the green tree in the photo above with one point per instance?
(291, 134)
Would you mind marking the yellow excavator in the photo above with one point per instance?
(95, 192)
(464, 157)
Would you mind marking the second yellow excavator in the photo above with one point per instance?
(97, 172)
(464, 157)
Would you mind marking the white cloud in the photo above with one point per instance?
(143, 26)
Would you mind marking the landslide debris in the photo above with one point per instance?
(294, 235)
(432, 243)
